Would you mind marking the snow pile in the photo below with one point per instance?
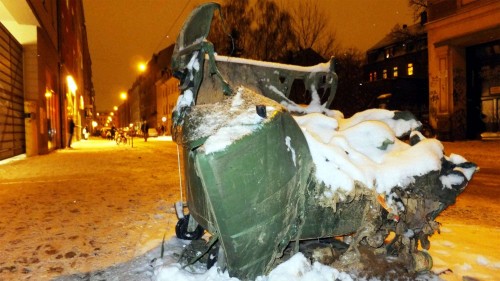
(365, 149)
(229, 120)
(314, 106)
(297, 268)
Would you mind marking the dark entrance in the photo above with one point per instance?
(483, 90)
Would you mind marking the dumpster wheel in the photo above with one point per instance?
(216, 255)
(182, 232)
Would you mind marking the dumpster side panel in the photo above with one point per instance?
(198, 201)
(321, 221)
(256, 192)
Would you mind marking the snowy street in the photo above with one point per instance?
(470, 233)
(98, 205)
(87, 208)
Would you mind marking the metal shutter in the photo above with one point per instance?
(12, 138)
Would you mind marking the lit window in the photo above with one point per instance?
(410, 69)
(371, 76)
(388, 53)
(384, 75)
(374, 76)
(395, 72)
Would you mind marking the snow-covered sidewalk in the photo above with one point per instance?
(85, 209)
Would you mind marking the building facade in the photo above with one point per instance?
(47, 75)
(396, 71)
(152, 96)
(464, 68)
(167, 91)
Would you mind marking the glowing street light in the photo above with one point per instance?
(124, 113)
(142, 67)
(115, 108)
(71, 84)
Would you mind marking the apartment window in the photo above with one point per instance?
(374, 76)
(384, 74)
(410, 69)
(388, 53)
(395, 71)
(371, 76)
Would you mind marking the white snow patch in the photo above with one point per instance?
(482, 260)
(185, 99)
(322, 67)
(290, 148)
(448, 244)
(451, 179)
(228, 123)
(346, 151)
(466, 267)
(299, 268)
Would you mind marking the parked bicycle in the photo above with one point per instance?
(120, 137)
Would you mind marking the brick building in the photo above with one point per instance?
(46, 75)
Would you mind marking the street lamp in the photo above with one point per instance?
(124, 113)
(163, 128)
(142, 67)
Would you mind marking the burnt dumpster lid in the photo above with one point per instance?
(197, 26)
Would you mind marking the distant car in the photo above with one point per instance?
(152, 132)
(104, 131)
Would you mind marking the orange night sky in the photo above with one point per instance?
(121, 33)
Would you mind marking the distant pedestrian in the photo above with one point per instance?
(71, 130)
(113, 132)
(145, 129)
(85, 133)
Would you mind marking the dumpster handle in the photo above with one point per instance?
(179, 205)
(179, 209)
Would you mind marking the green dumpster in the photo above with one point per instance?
(250, 178)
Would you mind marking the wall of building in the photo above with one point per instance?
(450, 32)
(396, 72)
(48, 83)
(167, 91)
(153, 94)
(54, 45)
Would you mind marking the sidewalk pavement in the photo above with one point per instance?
(87, 208)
